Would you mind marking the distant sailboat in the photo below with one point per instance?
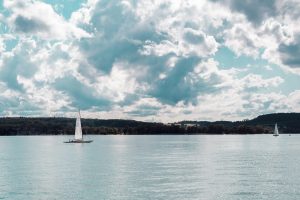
(276, 133)
(78, 132)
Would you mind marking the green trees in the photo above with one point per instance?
(287, 122)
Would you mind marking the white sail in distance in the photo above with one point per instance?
(276, 133)
(78, 130)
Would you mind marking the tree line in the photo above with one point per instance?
(287, 122)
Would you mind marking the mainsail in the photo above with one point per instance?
(78, 130)
(276, 133)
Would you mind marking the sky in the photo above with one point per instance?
(150, 60)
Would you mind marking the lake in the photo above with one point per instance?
(164, 167)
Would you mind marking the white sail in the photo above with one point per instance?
(78, 130)
(276, 133)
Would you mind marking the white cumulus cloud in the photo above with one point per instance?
(38, 18)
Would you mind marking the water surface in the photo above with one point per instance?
(151, 167)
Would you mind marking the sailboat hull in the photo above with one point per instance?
(79, 141)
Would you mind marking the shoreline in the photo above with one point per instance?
(156, 134)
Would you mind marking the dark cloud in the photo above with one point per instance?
(82, 96)
(290, 53)
(144, 110)
(26, 25)
(8, 103)
(110, 42)
(18, 64)
(119, 36)
(194, 38)
(103, 54)
(181, 85)
(173, 88)
(256, 11)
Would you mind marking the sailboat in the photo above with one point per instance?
(78, 132)
(276, 133)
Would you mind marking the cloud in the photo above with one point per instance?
(242, 40)
(254, 81)
(198, 43)
(144, 59)
(2, 46)
(256, 11)
(175, 86)
(293, 101)
(289, 8)
(144, 107)
(54, 100)
(269, 30)
(191, 43)
(27, 25)
(38, 18)
(9, 98)
(289, 53)
(82, 96)
(17, 63)
(141, 41)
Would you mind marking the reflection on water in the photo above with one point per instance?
(151, 167)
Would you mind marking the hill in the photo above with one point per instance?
(287, 122)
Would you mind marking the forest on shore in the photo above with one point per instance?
(264, 124)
